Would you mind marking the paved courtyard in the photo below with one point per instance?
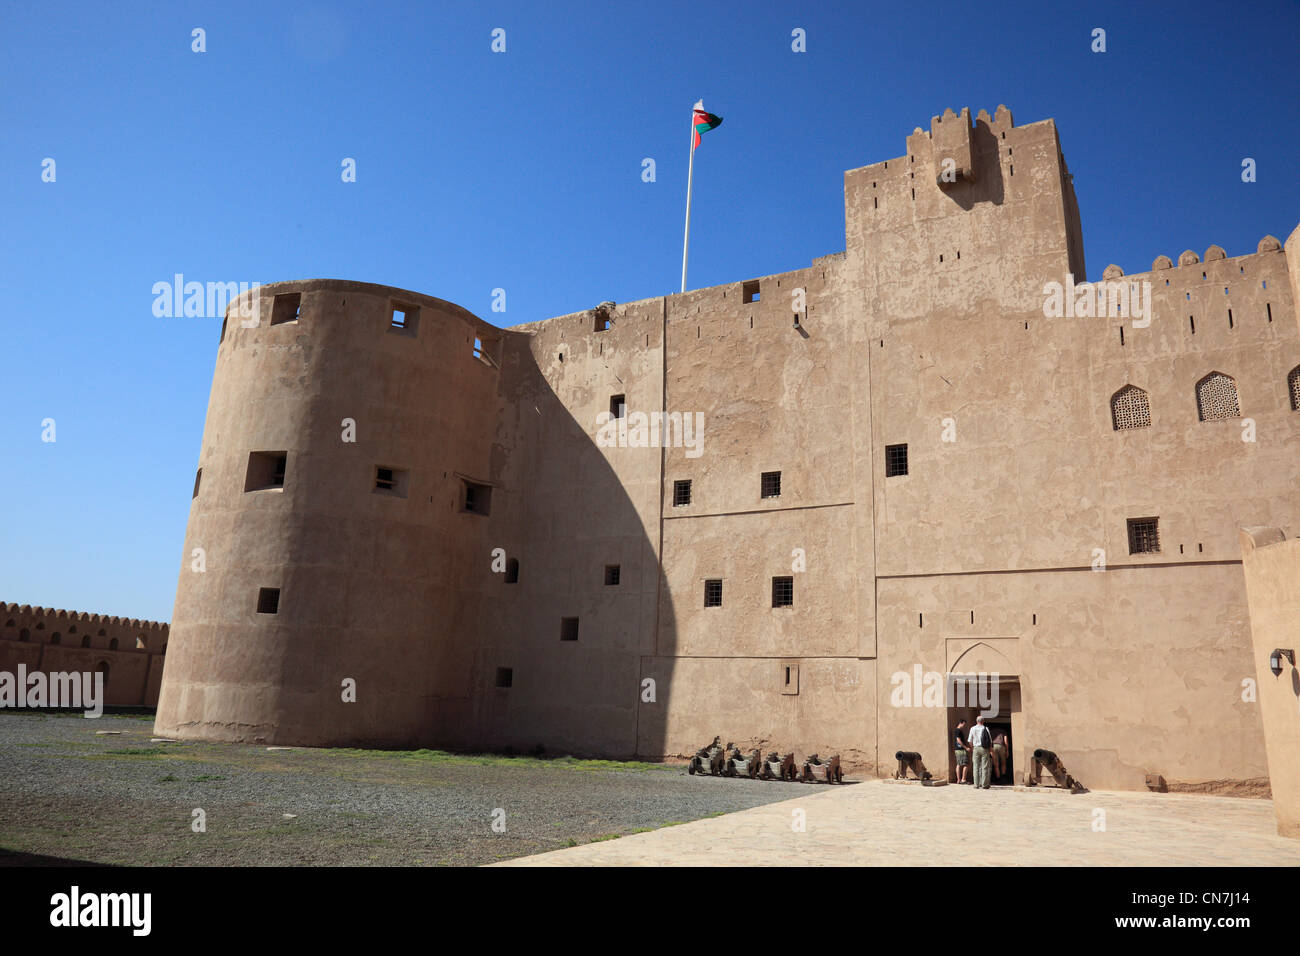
(886, 823)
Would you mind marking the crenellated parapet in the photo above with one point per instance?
(59, 626)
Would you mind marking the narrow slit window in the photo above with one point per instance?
(198, 479)
(617, 406)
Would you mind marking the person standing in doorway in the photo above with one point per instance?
(979, 741)
(961, 750)
(999, 754)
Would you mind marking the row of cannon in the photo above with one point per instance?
(729, 761)
(910, 760)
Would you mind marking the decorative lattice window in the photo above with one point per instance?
(1129, 408)
(1293, 383)
(1216, 398)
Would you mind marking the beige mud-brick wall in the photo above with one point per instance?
(1272, 566)
(372, 586)
(51, 640)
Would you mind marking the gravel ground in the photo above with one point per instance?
(71, 793)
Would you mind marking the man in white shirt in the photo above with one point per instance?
(979, 740)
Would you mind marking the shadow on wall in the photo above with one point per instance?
(572, 631)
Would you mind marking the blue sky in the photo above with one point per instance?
(519, 170)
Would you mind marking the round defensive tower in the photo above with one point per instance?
(339, 506)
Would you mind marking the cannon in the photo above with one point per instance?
(910, 760)
(816, 770)
(1049, 761)
(742, 765)
(777, 767)
(711, 759)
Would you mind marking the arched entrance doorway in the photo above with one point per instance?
(984, 680)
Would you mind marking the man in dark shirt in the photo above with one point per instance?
(961, 750)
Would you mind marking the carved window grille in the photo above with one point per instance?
(1130, 408)
(1293, 383)
(1216, 398)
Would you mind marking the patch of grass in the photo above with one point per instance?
(135, 752)
(207, 776)
(168, 779)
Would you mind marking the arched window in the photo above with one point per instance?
(512, 571)
(112, 645)
(1293, 383)
(102, 632)
(1216, 398)
(85, 641)
(1129, 408)
(24, 635)
(56, 638)
(11, 623)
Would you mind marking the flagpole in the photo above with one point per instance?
(690, 175)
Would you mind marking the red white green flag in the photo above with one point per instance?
(703, 122)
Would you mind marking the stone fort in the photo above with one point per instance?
(908, 473)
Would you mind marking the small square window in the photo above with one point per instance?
(404, 319)
(265, 470)
(783, 592)
(713, 592)
(771, 484)
(681, 493)
(505, 676)
(750, 291)
(487, 350)
(617, 406)
(268, 601)
(602, 321)
(612, 574)
(477, 498)
(1143, 535)
(391, 481)
(895, 460)
(286, 308)
(568, 628)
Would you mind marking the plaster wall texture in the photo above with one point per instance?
(929, 330)
(1272, 569)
